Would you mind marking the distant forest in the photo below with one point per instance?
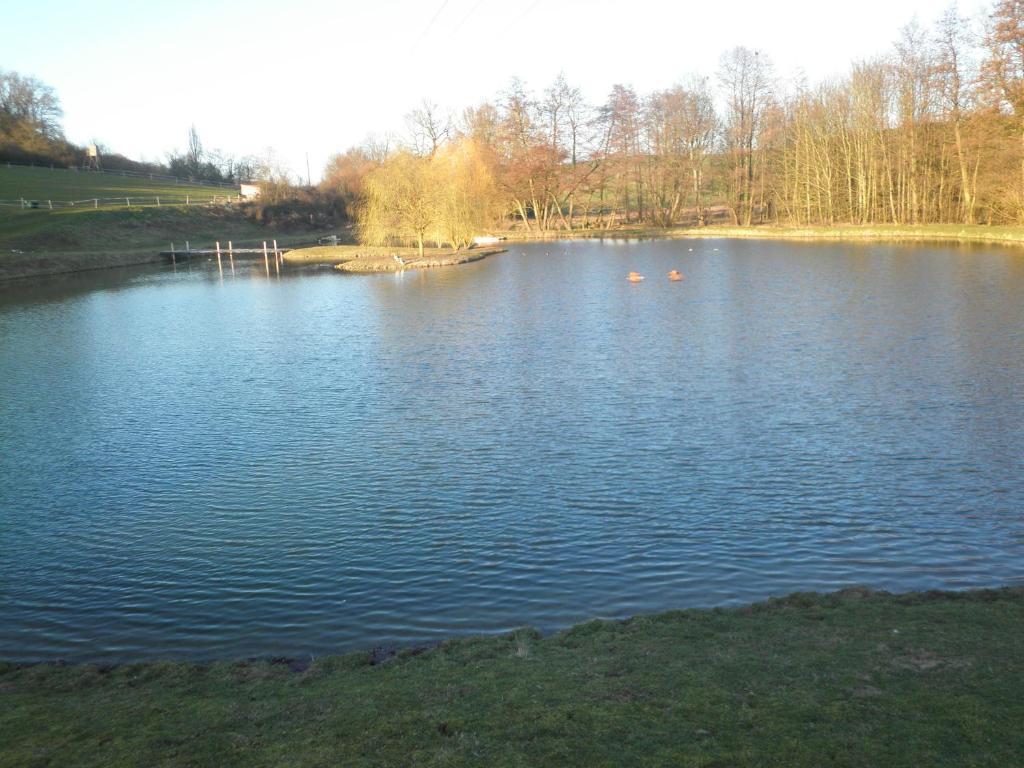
(933, 132)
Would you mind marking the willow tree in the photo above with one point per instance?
(467, 200)
(447, 197)
(400, 201)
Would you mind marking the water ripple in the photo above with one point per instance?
(198, 468)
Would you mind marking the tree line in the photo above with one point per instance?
(932, 132)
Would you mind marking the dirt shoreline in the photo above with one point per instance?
(949, 233)
(427, 261)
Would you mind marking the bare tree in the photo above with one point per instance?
(30, 113)
(429, 127)
(745, 75)
(953, 76)
(194, 151)
(1003, 68)
(621, 118)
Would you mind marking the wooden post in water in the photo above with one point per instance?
(96, 202)
(231, 256)
(50, 202)
(278, 257)
(218, 256)
(158, 201)
(187, 200)
(173, 259)
(266, 258)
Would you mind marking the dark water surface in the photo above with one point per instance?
(205, 467)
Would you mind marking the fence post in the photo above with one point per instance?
(127, 203)
(96, 202)
(50, 202)
(187, 200)
(158, 201)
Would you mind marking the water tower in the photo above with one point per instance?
(92, 158)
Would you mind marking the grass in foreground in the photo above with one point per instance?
(851, 679)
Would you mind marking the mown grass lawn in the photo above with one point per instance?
(113, 227)
(852, 679)
(62, 184)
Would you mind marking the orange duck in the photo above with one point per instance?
(675, 274)
(634, 277)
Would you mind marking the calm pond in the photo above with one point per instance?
(202, 466)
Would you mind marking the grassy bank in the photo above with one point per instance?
(851, 679)
(958, 233)
(43, 242)
(71, 239)
(65, 185)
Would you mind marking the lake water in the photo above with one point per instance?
(206, 466)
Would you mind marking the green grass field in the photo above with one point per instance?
(65, 239)
(850, 679)
(42, 184)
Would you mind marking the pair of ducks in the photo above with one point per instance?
(636, 277)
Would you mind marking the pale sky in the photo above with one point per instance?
(317, 76)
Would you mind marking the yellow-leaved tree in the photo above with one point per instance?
(468, 201)
(448, 197)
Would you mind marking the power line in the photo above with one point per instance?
(466, 17)
(430, 24)
(527, 12)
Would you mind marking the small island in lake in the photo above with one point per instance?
(366, 258)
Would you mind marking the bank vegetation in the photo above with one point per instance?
(930, 133)
(850, 679)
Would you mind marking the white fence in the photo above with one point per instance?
(133, 201)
